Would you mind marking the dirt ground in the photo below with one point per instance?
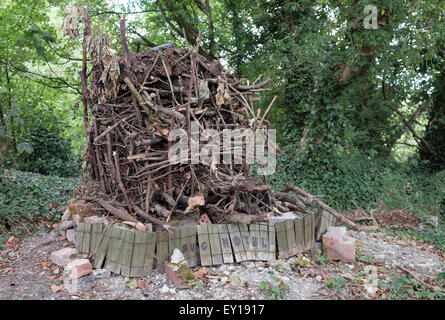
(26, 272)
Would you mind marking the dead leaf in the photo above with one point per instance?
(194, 202)
(56, 288)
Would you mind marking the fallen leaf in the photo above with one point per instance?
(194, 202)
(56, 288)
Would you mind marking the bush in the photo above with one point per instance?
(366, 180)
(49, 153)
(26, 198)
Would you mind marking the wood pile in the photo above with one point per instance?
(135, 101)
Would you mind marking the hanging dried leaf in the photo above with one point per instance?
(70, 25)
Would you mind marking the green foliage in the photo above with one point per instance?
(50, 153)
(402, 287)
(26, 198)
(366, 180)
(336, 283)
(321, 259)
(276, 289)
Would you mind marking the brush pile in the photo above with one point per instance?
(135, 102)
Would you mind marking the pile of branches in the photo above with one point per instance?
(135, 102)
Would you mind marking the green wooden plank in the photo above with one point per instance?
(263, 243)
(79, 236)
(102, 248)
(174, 241)
(245, 236)
(280, 230)
(299, 234)
(272, 242)
(150, 252)
(237, 243)
(113, 249)
(226, 247)
(290, 236)
(254, 231)
(308, 232)
(139, 251)
(204, 245)
(96, 234)
(126, 254)
(87, 228)
(215, 244)
(162, 248)
(188, 244)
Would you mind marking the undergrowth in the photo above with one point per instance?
(27, 199)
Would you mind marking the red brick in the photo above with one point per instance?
(338, 245)
(78, 268)
(61, 257)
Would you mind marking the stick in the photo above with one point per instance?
(344, 220)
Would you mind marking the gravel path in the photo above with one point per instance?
(27, 273)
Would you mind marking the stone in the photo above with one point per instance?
(71, 235)
(224, 280)
(101, 273)
(77, 219)
(79, 268)
(62, 257)
(178, 258)
(63, 226)
(279, 265)
(236, 281)
(66, 215)
(95, 219)
(179, 274)
(164, 289)
(338, 245)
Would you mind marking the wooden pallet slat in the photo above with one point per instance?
(126, 254)
(174, 241)
(226, 246)
(149, 253)
(263, 252)
(299, 233)
(290, 236)
(237, 242)
(245, 236)
(272, 242)
(188, 244)
(139, 252)
(96, 234)
(254, 231)
(204, 245)
(87, 228)
(162, 248)
(280, 230)
(215, 244)
(308, 232)
(111, 262)
(79, 236)
(101, 250)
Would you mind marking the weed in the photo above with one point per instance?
(275, 289)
